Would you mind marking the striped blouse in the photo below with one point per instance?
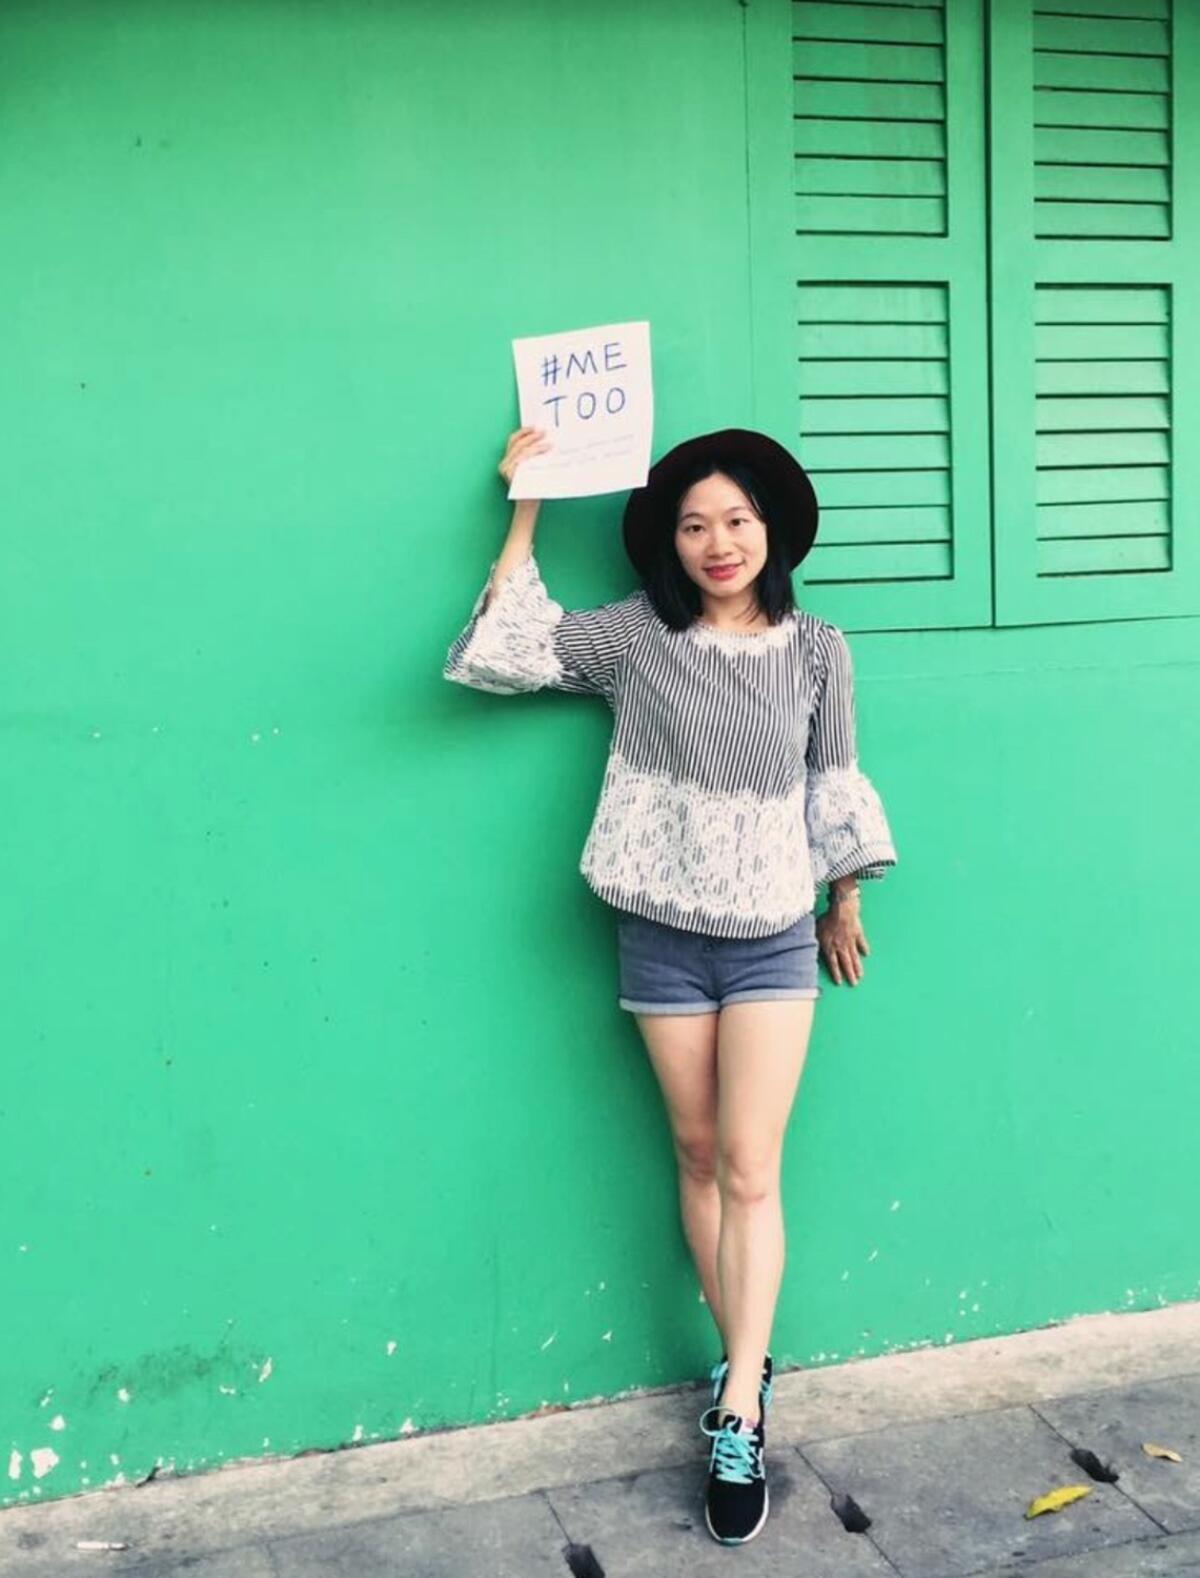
(732, 785)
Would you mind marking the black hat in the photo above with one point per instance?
(787, 482)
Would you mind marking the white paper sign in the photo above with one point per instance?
(591, 391)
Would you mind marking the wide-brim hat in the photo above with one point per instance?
(792, 496)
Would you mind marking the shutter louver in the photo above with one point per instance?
(875, 413)
(870, 107)
(1092, 298)
(888, 272)
(1102, 113)
(1103, 429)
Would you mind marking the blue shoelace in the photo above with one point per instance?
(734, 1456)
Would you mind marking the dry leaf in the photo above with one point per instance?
(1149, 1448)
(1055, 1499)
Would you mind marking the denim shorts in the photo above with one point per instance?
(666, 970)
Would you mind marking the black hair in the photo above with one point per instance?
(675, 596)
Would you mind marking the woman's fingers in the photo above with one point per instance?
(526, 441)
(844, 964)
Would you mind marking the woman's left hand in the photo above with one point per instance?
(841, 939)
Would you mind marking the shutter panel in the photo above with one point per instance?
(1093, 123)
(880, 267)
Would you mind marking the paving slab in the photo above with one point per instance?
(653, 1524)
(245, 1562)
(518, 1537)
(1115, 1423)
(54, 1557)
(1177, 1556)
(176, 1520)
(949, 1498)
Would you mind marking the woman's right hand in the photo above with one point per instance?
(523, 445)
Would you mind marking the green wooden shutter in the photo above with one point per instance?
(1095, 253)
(880, 270)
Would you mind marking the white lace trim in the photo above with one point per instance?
(723, 854)
(845, 820)
(746, 642)
(511, 647)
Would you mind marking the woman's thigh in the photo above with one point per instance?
(760, 1053)
(683, 1052)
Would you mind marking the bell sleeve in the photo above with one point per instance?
(524, 640)
(848, 832)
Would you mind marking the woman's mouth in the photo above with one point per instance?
(722, 572)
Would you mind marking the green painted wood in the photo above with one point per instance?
(895, 414)
(1087, 145)
(1099, 483)
(1096, 304)
(849, 526)
(878, 562)
(873, 177)
(1113, 35)
(862, 375)
(1108, 182)
(877, 216)
(862, 453)
(876, 23)
(1088, 287)
(1152, 9)
(1103, 556)
(858, 139)
(1098, 412)
(882, 100)
(1094, 450)
(1128, 73)
(1101, 377)
(846, 340)
(850, 489)
(893, 432)
(1083, 341)
(884, 302)
(1132, 111)
(817, 58)
(1142, 517)
(1112, 220)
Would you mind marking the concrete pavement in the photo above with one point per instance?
(942, 1448)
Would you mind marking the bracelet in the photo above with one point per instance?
(836, 895)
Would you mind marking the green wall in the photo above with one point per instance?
(320, 1122)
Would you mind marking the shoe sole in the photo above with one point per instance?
(723, 1539)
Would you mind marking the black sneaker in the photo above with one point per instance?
(736, 1502)
(766, 1386)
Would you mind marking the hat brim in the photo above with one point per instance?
(785, 479)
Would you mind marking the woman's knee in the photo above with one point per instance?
(696, 1152)
(746, 1174)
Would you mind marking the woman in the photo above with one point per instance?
(732, 788)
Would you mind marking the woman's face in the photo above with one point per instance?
(716, 526)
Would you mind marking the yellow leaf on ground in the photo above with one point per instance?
(1054, 1499)
(1149, 1448)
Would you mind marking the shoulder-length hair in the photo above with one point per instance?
(675, 596)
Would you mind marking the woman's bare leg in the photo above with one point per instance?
(761, 1047)
(683, 1052)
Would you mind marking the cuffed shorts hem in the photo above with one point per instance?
(760, 995)
(668, 1008)
(807, 992)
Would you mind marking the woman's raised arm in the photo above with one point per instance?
(518, 545)
(518, 638)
